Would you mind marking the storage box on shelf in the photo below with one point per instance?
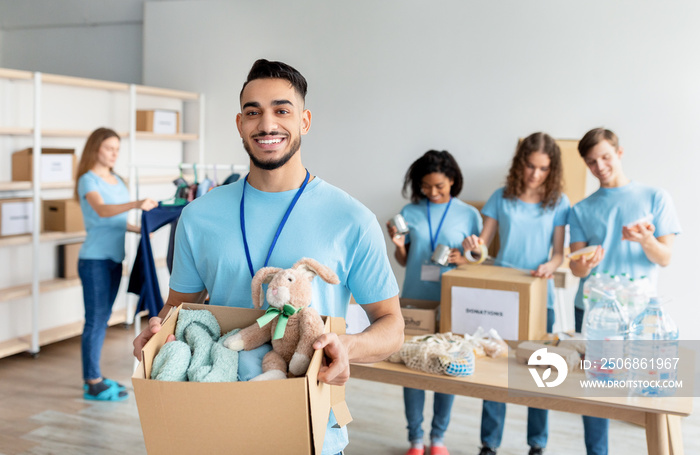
(57, 165)
(67, 260)
(159, 121)
(33, 110)
(63, 215)
(16, 216)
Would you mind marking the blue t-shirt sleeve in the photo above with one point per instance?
(562, 211)
(576, 232)
(86, 184)
(491, 207)
(477, 223)
(185, 277)
(665, 217)
(370, 278)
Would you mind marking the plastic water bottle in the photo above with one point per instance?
(593, 281)
(634, 297)
(605, 333)
(612, 284)
(645, 283)
(653, 346)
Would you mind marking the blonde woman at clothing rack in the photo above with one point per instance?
(104, 201)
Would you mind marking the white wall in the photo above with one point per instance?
(389, 80)
(99, 39)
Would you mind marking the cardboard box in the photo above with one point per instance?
(420, 316)
(575, 171)
(57, 165)
(509, 300)
(63, 215)
(67, 258)
(158, 121)
(282, 416)
(16, 216)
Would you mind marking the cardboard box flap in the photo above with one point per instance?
(341, 413)
(319, 398)
(338, 405)
(148, 353)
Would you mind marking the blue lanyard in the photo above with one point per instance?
(279, 228)
(433, 240)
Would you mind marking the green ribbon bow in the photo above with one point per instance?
(283, 314)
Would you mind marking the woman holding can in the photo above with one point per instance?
(529, 214)
(437, 223)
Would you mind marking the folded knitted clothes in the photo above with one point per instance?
(198, 353)
(171, 362)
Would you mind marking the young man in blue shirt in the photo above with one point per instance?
(215, 255)
(610, 218)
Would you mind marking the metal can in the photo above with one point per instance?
(400, 224)
(441, 254)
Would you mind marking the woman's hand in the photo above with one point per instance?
(472, 243)
(146, 204)
(545, 270)
(398, 239)
(456, 257)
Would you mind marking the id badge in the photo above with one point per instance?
(429, 272)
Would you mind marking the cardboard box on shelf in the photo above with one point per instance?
(420, 316)
(282, 416)
(67, 259)
(57, 165)
(63, 215)
(158, 121)
(509, 300)
(16, 216)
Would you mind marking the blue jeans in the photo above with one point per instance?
(414, 400)
(595, 429)
(493, 416)
(100, 278)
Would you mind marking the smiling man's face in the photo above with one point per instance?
(271, 122)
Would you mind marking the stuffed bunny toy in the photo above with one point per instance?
(289, 322)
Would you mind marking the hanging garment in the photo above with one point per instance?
(144, 280)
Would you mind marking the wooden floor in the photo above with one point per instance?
(42, 412)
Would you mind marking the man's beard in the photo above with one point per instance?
(272, 165)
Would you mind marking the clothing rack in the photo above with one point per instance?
(240, 168)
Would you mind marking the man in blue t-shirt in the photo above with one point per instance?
(276, 216)
(634, 227)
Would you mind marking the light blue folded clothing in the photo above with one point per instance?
(171, 362)
(250, 362)
(198, 353)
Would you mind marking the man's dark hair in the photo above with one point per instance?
(265, 69)
(594, 137)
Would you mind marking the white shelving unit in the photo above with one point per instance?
(39, 110)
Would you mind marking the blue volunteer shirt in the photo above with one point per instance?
(525, 231)
(461, 221)
(326, 224)
(105, 235)
(598, 220)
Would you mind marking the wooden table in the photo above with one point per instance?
(659, 416)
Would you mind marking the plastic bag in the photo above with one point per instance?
(441, 353)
